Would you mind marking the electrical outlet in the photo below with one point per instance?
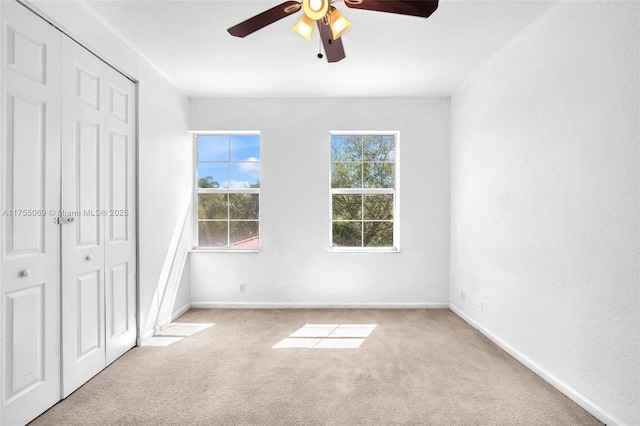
(462, 296)
(242, 288)
(480, 306)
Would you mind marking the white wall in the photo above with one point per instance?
(545, 202)
(294, 266)
(164, 146)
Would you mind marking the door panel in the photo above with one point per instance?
(120, 244)
(25, 171)
(26, 55)
(99, 252)
(25, 313)
(119, 99)
(87, 167)
(119, 184)
(87, 86)
(30, 188)
(89, 311)
(83, 147)
(119, 321)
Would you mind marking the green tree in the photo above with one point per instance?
(234, 215)
(207, 182)
(361, 162)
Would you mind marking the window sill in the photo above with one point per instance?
(222, 250)
(364, 250)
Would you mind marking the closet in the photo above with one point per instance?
(67, 194)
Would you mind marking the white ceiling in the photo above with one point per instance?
(387, 54)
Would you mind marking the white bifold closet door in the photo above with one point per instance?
(30, 180)
(98, 199)
(67, 229)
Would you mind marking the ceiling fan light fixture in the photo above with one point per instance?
(330, 22)
(315, 9)
(338, 23)
(304, 27)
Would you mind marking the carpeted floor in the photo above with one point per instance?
(417, 367)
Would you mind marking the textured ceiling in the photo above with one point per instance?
(387, 55)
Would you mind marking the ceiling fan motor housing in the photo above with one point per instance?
(315, 9)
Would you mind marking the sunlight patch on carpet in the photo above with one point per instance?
(314, 330)
(183, 329)
(339, 343)
(160, 341)
(327, 336)
(353, 330)
(175, 333)
(298, 342)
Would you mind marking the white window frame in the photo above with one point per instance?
(197, 191)
(369, 191)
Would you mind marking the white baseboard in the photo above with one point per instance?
(594, 409)
(177, 313)
(243, 305)
(173, 317)
(145, 338)
(149, 334)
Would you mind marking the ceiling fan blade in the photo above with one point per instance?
(332, 48)
(265, 18)
(421, 8)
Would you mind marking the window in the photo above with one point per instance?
(228, 190)
(364, 191)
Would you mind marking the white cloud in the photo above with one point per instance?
(236, 184)
(251, 169)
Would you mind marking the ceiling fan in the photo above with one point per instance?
(331, 23)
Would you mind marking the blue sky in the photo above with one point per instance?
(232, 161)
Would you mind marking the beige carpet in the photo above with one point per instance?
(417, 367)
